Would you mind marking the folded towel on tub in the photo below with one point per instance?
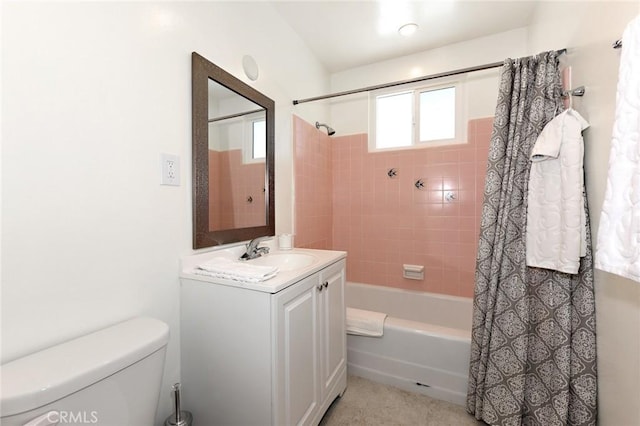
(365, 323)
(220, 267)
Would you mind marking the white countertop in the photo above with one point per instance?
(281, 281)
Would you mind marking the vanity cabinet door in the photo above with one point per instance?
(332, 326)
(297, 382)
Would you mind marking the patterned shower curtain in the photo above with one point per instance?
(533, 345)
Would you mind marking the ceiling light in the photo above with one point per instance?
(408, 29)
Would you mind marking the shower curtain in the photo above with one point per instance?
(533, 345)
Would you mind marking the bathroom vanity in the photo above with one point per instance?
(264, 353)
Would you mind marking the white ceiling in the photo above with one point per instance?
(346, 34)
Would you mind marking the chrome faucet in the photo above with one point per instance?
(253, 251)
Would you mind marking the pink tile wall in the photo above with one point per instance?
(313, 186)
(229, 191)
(385, 222)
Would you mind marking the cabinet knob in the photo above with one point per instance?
(320, 287)
(326, 284)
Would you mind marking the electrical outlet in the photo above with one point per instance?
(170, 169)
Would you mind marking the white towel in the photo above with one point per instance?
(365, 323)
(220, 267)
(618, 244)
(556, 221)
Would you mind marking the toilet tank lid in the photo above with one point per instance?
(46, 376)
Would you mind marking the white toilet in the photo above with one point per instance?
(109, 377)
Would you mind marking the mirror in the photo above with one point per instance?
(237, 154)
(233, 158)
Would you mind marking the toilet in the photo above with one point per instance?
(109, 377)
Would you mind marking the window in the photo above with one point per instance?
(422, 116)
(259, 138)
(255, 139)
(394, 120)
(438, 114)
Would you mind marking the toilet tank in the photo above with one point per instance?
(109, 377)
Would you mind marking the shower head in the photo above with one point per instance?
(330, 131)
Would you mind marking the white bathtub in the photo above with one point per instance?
(426, 341)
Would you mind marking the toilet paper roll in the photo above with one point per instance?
(285, 242)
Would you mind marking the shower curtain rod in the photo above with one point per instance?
(413, 80)
(240, 114)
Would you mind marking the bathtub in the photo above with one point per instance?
(425, 345)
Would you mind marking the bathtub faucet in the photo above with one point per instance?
(253, 251)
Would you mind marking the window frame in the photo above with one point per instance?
(461, 113)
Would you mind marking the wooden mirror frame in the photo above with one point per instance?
(201, 71)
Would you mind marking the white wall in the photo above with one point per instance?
(349, 114)
(589, 34)
(92, 93)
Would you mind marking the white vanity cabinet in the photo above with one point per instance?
(311, 346)
(253, 357)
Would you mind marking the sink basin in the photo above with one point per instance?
(286, 261)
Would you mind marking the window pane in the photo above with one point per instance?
(259, 139)
(438, 114)
(394, 120)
